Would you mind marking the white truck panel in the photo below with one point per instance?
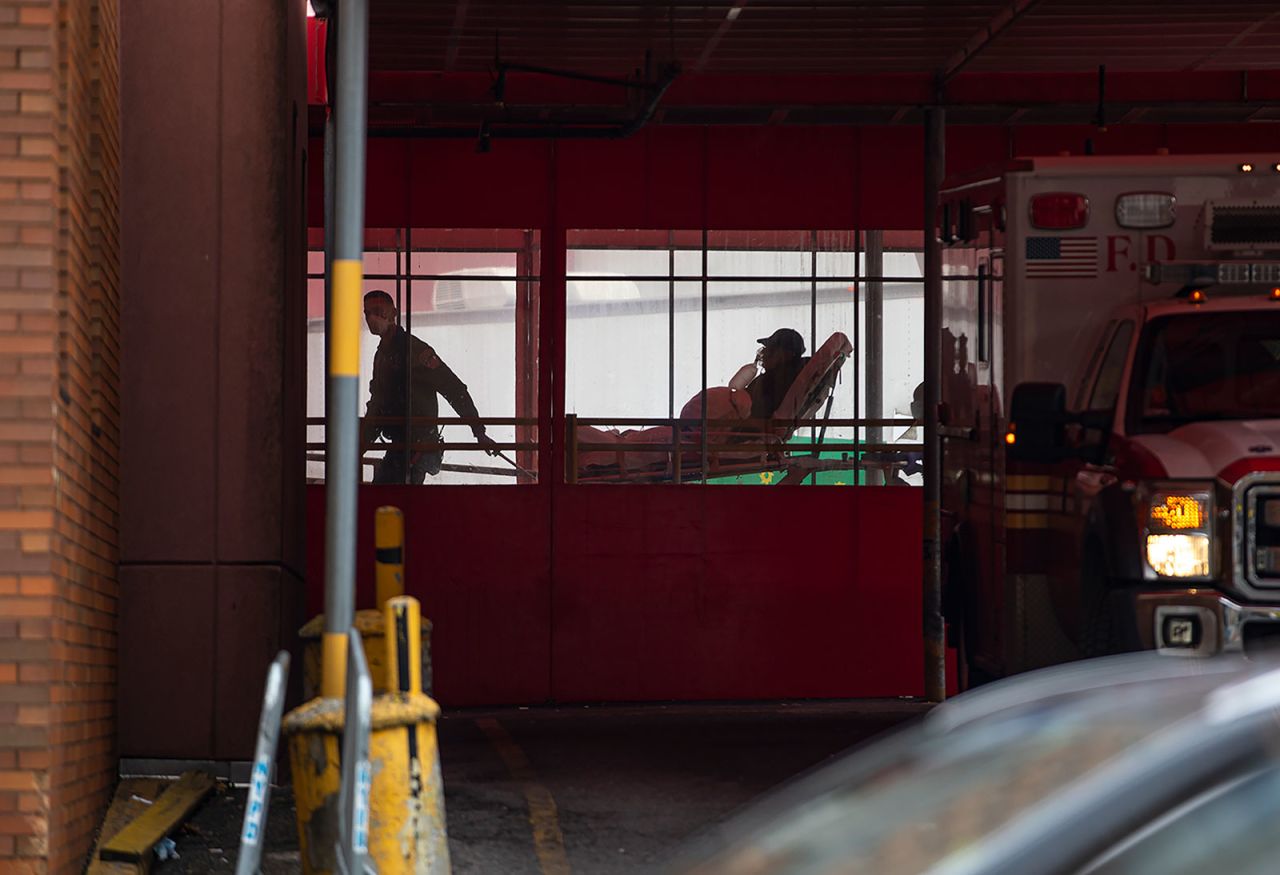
(1054, 319)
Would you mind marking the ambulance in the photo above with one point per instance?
(1110, 408)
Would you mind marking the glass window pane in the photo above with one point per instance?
(376, 260)
(618, 261)
(1107, 386)
(316, 372)
(450, 349)
(635, 350)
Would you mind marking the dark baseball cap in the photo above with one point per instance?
(786, 338)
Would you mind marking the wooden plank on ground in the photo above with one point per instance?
(135, 841)
(127, 804)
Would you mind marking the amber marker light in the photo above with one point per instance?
(1196, 297)
(1275, 294)
(1179, 512)
(1010, 437)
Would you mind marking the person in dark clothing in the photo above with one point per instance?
(403, 367)
(782, 358)
(912, 463)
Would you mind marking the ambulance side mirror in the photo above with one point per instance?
(1037, 423)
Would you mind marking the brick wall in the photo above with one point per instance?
(59, 426)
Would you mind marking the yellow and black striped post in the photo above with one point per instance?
(342, 415)
(406, 802)
(388, 542)
(315, 728)
(370, 623)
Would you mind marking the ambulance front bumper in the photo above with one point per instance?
(1203, 622)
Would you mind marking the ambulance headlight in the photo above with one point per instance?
(1178, 528)
(1178, 555)
(1145, 209)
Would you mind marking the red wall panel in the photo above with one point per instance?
(776, 177)
(736, 593)
(454, 186)
(891, 178)
(478, 558)
(1262, 137)
(386, 195)
(726, 177)
(653, 593)
(602, 183)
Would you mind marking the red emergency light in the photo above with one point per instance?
(1059, 211)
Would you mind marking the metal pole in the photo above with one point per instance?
(526, 358)
(857, 397)
(328, 253)
(873, 346)
(873, 343)
(813, 334)
(671, 353)
(406, 316)
(357, 772)
(256, 806)
(703, 384)
(342, 448)
(935, 675)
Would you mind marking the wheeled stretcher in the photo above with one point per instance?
(734, 442)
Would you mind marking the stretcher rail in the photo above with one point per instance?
(711, 440)
(714, 447)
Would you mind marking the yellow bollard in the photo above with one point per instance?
(388, 542)
(404, 618)
(370, 624)
(406, 801)
(388, 538)
(314, 731)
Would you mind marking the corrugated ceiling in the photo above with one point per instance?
(827, 36)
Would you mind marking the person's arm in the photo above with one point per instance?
(368, 431)
(446, 382)
(744, 376)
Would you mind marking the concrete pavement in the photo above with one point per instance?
(618, 789)
(593, 790)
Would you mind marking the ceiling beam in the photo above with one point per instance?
(1235, 41)
(989, 33)
(455, 34)
(729, 18)
(440, 120)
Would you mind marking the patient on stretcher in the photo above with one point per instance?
(780, 385)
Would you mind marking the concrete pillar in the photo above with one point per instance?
(212, 475)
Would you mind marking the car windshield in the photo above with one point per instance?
(1201, 366)
(939, 789)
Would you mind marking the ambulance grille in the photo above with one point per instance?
(1262, 533)
(1252, 226)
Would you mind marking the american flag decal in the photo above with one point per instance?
(1050, 257)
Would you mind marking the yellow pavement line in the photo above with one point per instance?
(548, 841)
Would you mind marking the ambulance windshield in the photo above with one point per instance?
(1206, 366)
